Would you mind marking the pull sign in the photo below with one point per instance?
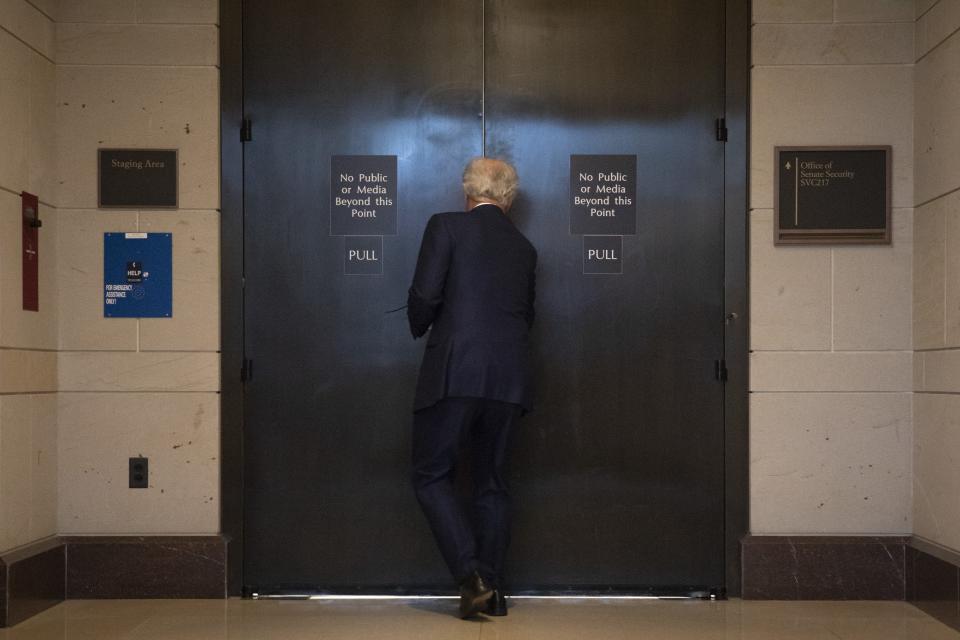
(30, 247)
(721, 129)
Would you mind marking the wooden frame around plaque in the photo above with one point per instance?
(877, 208)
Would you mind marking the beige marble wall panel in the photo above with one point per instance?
(871, 285)
(784, 44)
(138, 11)
(16, 82)
(27, 119)
(929, 256)
(789, 292)
(15, 492)
(28, 462)
(25, 21)
(937, 25)
(793, 11)
(151, 45)
(42, 143)
(918, 378)
(195, 324)
(937, 121)
(940, 371)
(43, 467)
(50, 8)
(951, 204)
(824, 463)
(831, 371)
(832, 105)
(97, 11)
(154, 107)
(178, 432)
(874, 10)
(27, 371)
(19, 328)
(122, 371)
(923, 6)
(178, 11)
(80, 269)
(936, 482)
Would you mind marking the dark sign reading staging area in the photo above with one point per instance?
(137, 178)
(829, 195)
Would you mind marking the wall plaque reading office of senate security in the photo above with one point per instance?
(832, 195)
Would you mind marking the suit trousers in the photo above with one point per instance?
(475, 541)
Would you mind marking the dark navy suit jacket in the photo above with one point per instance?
(475, 283)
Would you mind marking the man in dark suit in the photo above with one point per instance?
(474, 284)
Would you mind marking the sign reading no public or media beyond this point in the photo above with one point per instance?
(603, 194)
(831, 195)
(363, 195)
(137, 178)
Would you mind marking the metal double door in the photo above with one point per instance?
(617, 476)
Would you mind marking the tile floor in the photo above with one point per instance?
(528, 619)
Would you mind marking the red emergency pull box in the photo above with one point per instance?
(31, 251)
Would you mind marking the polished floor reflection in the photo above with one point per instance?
(528, 620)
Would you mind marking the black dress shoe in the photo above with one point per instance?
(474, 594)
(497, 604)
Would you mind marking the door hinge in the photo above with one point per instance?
(720, 370)
(246, 130)
(721, 129)
(246, 370)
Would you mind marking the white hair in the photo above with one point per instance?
(490, 179)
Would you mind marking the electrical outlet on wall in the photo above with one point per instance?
(138, 473)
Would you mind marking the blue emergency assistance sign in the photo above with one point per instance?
(137, 275)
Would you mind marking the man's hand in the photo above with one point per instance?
(425, 296)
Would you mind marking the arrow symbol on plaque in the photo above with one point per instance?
(788, 166)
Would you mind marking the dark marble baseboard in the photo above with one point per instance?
(31, 580)
(146, 567)
(824, 567)
(39, 575)
(933, 582)
(854, 568)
